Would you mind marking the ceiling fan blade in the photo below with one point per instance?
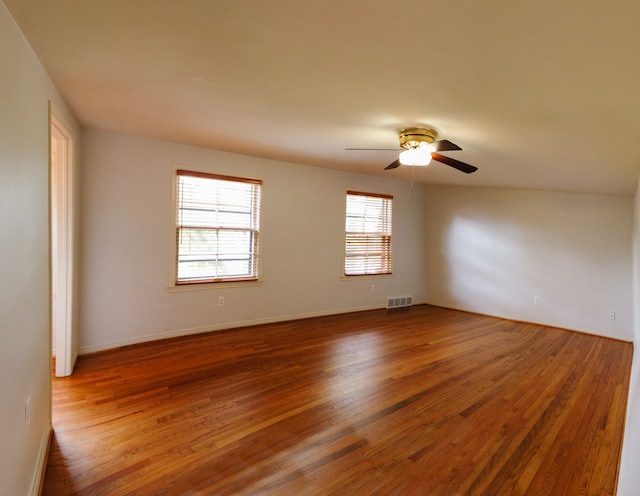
(375, 149)
(393, 165)
(446, 146)
(456, 164)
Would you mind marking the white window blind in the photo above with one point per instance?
(217, 228)
(368, 234)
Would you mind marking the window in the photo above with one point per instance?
(217, 228)
(368, 234)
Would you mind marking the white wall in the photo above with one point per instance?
(25, 345)
(127, 238)
(492, 250)
(629, 478)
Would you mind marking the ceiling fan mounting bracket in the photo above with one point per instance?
(415, 137)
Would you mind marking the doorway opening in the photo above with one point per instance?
(63, 346)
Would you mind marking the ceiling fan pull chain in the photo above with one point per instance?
(413, 171)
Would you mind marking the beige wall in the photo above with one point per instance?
(127, 236)
(25, 346)
(493, 250)
(487, 250)
(629, 481)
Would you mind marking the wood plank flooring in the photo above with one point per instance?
(427, 401)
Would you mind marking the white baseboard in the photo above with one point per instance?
(40, 470)
(548, 323)
(220, 327)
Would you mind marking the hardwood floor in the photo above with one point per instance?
(421, 402)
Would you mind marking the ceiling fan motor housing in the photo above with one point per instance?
(415, 137)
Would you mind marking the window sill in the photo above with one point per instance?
(214, 285)
(365, 276)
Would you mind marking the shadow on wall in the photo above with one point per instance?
(484, 266)
(553, 258)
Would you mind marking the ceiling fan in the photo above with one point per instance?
(419, 146)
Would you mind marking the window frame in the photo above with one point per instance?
(256, 254)
(386, 244)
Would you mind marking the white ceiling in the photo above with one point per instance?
(541, 95)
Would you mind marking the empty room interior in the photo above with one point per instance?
(319, 248)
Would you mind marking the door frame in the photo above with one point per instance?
(62, 244)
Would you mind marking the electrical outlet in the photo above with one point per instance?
(536, 300)
(27, 411)
(373, 288)
(220, 301)
(612, 315)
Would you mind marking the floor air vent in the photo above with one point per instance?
(399, 301)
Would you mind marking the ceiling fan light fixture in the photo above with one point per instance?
(420, 146)
(416, 156)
